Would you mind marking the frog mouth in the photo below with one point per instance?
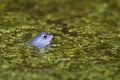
(48, 43)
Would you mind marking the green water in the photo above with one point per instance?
(86, 43)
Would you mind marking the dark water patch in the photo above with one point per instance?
(66, 30)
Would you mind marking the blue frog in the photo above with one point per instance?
(42, 41)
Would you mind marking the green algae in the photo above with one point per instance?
(86, 44)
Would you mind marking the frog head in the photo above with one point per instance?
(42, 40)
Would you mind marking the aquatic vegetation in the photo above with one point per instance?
(86, 42)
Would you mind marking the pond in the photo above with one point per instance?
(85, 43)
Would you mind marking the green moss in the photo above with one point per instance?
(86, 42)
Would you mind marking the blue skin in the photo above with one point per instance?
(42, 41)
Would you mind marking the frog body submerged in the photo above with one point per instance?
(42, 41)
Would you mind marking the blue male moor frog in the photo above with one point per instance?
(42, 41)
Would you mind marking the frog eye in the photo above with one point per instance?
(44, 36)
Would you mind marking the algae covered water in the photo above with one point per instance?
(86, 43)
